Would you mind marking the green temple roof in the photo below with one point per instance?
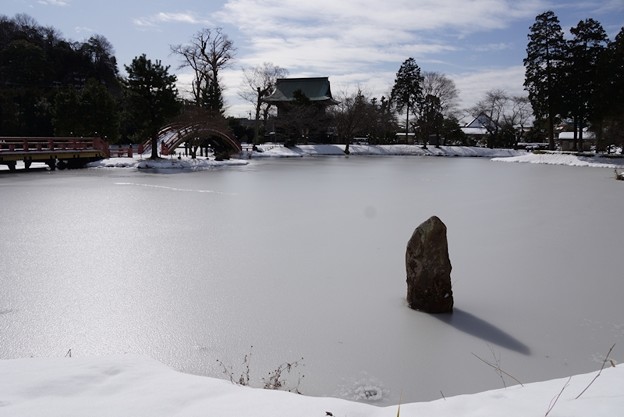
(315, 89)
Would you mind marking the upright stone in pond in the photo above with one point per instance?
(429, 268)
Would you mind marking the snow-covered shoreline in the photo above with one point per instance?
(131, 385)
(270, 150)
(566, 159)
(280, 151)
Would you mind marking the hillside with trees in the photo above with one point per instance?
(52, 86)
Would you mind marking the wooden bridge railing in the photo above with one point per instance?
(51, 144)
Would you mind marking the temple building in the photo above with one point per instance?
(289, 90)
(302, 110)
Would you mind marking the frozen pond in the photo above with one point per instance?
(305, 259)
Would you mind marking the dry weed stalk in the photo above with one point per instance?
(604, 362)
(554, 400)
(276, 379)
(498, 368)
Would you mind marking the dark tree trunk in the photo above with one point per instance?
(154, 146)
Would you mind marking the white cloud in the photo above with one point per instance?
(83, 29)
(60, 3)
(170, 17)
(606, 6)
(339, 39)
(399, 16)
(493, 47)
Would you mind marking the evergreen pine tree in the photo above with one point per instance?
(152, 97)
(543, 69)
(585, 49)
(407, 90)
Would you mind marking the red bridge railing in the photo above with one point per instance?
(51, 144)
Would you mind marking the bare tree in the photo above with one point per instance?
(504, 115)
(352, 116)
(442, 87)
(519, 114)
(259, 82)
(209, 51)
(493, 106)
(383, 125)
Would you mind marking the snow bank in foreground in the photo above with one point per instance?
(566, 159)
(138, 386)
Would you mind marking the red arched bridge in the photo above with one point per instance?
(75, 152)
(176, 134)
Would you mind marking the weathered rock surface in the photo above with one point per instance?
(429, 268)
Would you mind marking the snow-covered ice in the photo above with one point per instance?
(131, 385)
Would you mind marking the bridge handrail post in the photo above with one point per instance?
(101, 145)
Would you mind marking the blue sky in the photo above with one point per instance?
(480, 44)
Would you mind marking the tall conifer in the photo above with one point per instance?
(543, 69)
(407, 90)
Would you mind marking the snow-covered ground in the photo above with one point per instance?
(138, 386)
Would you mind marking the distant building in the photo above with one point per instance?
(317, 90)
(479, 128)
(301, 109)
(401, 137)
(567, 142)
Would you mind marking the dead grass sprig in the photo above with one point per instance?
(556, 398)
(604, 362)
(276, 380)
(498, 368)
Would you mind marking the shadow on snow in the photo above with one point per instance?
(475, 326)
